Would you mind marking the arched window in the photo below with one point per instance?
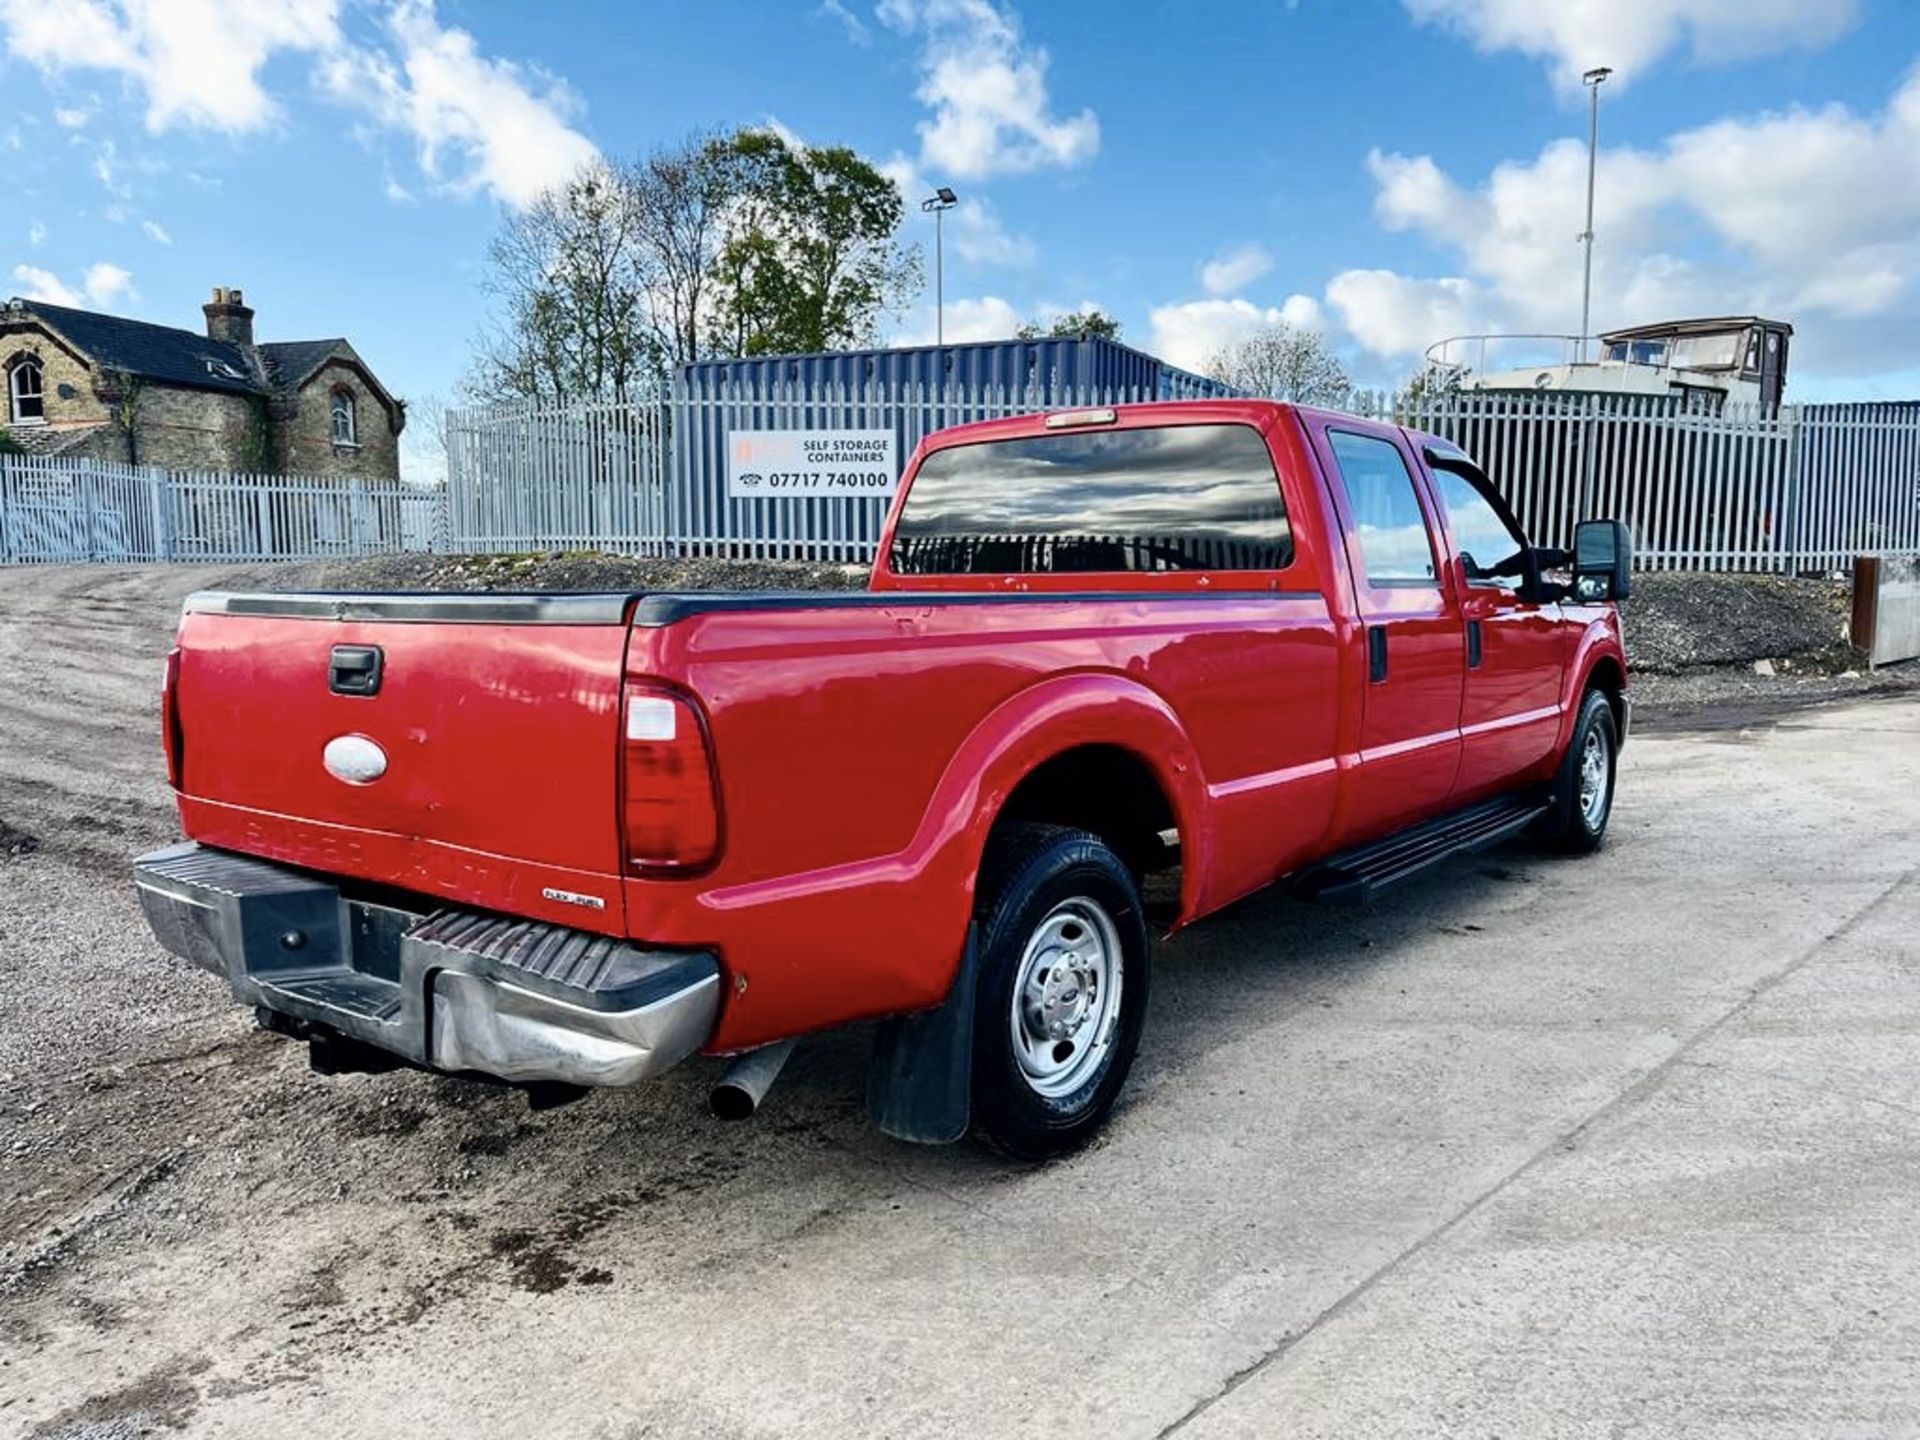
(26, 400)
(344, 432)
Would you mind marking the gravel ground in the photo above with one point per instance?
(1713, 650)
(1677, 621)
(1427, 1167)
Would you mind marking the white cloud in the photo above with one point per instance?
(106, 282)
(1806, 214)
(1630, 35)
(197, 61)
(973, 227)
(978, 235)
(855, 27)
(480, 123)
(36, 234)
(1192, 333)
(1398, 315)
(103, 283)
(985, 318)
(106, 169)
(69, 118)
(987, 89)
(38, 284)
(1233, 269)
(156, 232)
(1302, 312)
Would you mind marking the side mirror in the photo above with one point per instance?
(1602, 560)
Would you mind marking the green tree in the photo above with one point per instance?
(810, 261)
(576, 285)
(688, 198)
(1077, 322)
(732, 244)
(1284, 362)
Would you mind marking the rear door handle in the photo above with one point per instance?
(1376, 653)
(355, 669)
(1473, 644)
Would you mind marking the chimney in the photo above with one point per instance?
(228, 317)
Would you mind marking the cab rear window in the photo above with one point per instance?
(1157, 498)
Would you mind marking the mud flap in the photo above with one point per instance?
(920, 1087)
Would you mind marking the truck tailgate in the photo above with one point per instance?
(496, 720)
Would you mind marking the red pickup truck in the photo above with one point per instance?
(566, 840)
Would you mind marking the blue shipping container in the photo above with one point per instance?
(1046, 370)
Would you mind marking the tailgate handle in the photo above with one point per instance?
(355, 670)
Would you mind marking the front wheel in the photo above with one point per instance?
(1062, 988)
(1583, 786)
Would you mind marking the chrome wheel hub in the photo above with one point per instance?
(1067, 1002)
(1596, 762)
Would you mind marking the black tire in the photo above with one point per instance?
(1048, 887)
(1573, 826)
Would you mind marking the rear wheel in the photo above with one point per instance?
(1583, 786)
(1062, 988)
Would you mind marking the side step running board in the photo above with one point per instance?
(1354, 876)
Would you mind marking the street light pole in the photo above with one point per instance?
(941, 201)
(1592, 80)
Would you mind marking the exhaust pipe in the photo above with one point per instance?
(738, 1092)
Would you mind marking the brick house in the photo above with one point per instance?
(81, 383)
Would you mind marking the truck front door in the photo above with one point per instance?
(1415, 648)
(1516, 646)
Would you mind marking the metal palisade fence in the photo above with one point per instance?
(63, 509)
(1805, 489)
(649, 475)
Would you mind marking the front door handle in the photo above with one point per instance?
(1473, 644)
(1376, 653)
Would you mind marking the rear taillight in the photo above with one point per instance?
(669, 800)
(170, 717)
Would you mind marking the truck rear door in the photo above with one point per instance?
(464, 747)
(1414, 635)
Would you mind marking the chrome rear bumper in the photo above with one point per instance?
(455, 990)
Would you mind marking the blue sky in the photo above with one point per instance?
(1390, 171)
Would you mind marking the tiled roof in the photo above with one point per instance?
(289, 362)
(186, 357)
(153, 352)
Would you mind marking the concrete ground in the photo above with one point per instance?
(1627, 1145)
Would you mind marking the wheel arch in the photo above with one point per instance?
(1096, 751)
(1599, 662)
(1608, 675)
(1035, 751)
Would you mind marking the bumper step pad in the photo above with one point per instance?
(453, 989)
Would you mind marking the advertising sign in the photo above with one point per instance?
(788, 464)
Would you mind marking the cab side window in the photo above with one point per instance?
(1488, 549)
(1394, 545)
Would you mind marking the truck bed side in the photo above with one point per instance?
(873, 737)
